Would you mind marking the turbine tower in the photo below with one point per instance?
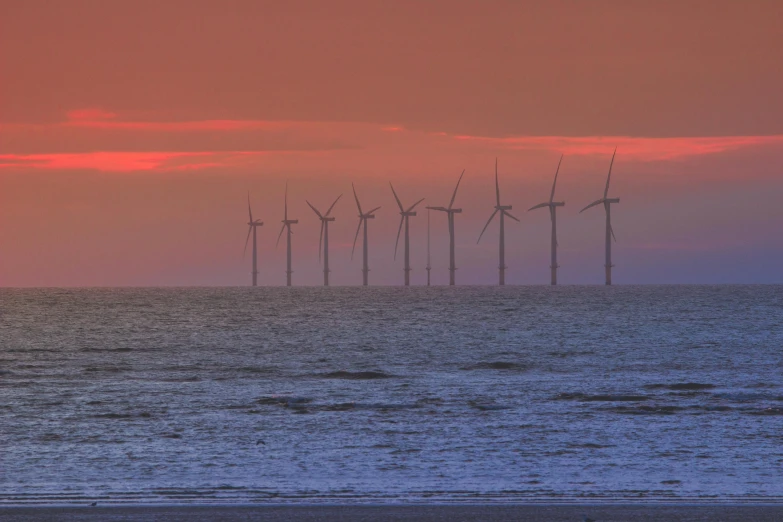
(607, 201)
(504, 211)
(552, 204)
(252, 225)
(363, 217)
(287, 226)
(429, 263)
(324, 237)
(450, 211)
(404, 216)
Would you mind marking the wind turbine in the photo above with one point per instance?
(404, 216)
(287, 226)
(609, 232)
(324, 237)
(450, 211)
(252, 225)
(504, 211)
(363, 217)
(429, 263)
(552, 204)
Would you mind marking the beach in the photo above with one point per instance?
(382, 513)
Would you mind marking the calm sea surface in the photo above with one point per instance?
(391, 394)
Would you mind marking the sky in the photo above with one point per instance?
(132, 132)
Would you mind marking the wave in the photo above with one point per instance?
(681, 386)
(280, 400)
(123, 416)
(487, 406)
(365, 375)
(646, 410)
(105, 350)
(765, 411)
(497, 365)
(106, 369)
(600, 398)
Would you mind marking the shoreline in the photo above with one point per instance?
(658, 512)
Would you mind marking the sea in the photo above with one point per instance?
(391, 395)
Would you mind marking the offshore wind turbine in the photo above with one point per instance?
(504, 211)
(552, 204)
(450, 211)
(252, 225)
(429, 263)
(287, 226)
(363, 217)
(324, 237)
(404, 216)
(607, 201)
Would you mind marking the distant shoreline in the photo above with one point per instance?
(381, 513)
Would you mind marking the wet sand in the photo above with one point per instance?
(445, 513)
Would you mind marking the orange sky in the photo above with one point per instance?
(131, 132)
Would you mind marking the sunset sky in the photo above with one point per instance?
(131, 132)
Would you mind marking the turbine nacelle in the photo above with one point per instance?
(447, 210)
(550, 204)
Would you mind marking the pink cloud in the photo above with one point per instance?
(93, 138)
(123, 161)
(636, 148)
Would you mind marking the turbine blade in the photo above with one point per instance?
(249, 231)
(612, 231)
(594, 203)
(497, 185)
(454, 196)
(540, 205)
(402, 218)
(552, 196)
(280, 235)
(333, 204)
(314, 209)
(509, 215)
(606, 190)
(414, 205)
(357, 198)
(356, 236)
(485, 226)
(441, 209)
(373, 210)
(399, 203)
(285, 212)
(321, 240)
(249, 212)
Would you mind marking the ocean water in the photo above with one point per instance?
(472, 394)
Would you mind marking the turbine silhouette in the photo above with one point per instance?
(552, 204)
(429, 261)
(287, 226)
(363, 217)
(404, 216)
(324, 236)
(450, 211)
(252, 225)
(607, 201)
(504, 211)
